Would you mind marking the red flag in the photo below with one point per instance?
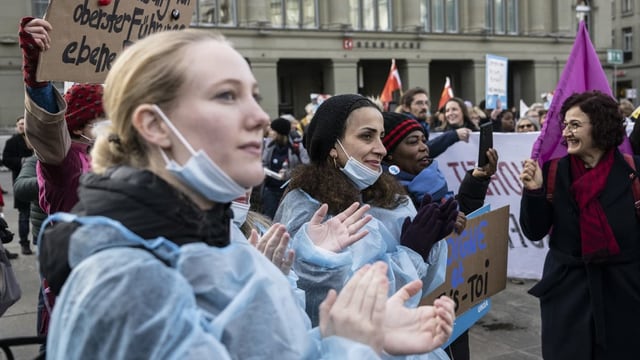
(447, 94)
(393, 83)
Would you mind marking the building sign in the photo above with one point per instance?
(614, 57)
(88, 36)
(386, 45)
(347, 43)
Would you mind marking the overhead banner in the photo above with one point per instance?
(477, 261)
(525, 257)
(87, 37)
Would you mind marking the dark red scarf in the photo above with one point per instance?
(597, 237)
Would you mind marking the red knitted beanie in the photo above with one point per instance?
(397, 127)
(84, 103)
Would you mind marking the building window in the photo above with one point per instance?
(627, 43)
(215, 12)
(502, 16)
(613, 9)
(295, 14)
(439, 15)
(39, 7)
(372, 15)
(627, 6)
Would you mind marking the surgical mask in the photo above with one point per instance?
(359, 173)
(200, 173)
(240, 211)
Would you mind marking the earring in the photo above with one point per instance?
(335, 164)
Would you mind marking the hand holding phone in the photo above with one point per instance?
(486, 142)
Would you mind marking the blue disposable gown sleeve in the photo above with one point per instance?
(320, 270)
(211, 303)
(123, 303)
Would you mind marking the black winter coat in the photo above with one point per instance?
(590, 310)
(15, 150)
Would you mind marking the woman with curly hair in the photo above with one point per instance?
(344, 142)
(589, 292)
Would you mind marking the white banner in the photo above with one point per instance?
(525, 257)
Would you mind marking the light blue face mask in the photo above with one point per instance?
(359, 173)
(200, 173)
(240, 211)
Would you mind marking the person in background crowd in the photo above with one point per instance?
(59, 128)
(25, 188)
(507, 123)
(408, 160)
(477, 116)
(309, 110)
(589, 283)
(281, 155)
(457, 116)
(634, 137)
(346, 151)
(16, 151)
(525, 125)
(165, 170)
(9, 254)
(542, 115)
(415, 103)
(626, 108)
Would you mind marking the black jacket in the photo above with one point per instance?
(142, 202)
(15, 149)
(590, 310)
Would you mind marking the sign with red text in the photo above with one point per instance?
(526, 257)
(87, 37)
(476, 262)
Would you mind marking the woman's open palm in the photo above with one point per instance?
(340, 231)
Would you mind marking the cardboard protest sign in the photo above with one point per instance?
(87, 37)
(477, 261)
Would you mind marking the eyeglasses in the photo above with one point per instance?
(522, 126)
(572, 126)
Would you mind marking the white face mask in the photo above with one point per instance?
(240, 211)
(359, 173)
(200, 173)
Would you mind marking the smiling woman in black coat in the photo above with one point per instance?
(590, 288)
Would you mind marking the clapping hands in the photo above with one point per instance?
(361, 312)
(416, 330)
(340, 231)
(274, 244)
(358, 312)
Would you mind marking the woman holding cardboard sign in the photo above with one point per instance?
(590, 288)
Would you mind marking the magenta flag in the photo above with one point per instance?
(583, 72)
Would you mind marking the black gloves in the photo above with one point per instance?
(448, 215)
(432, 223)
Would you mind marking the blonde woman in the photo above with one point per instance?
(156, 271)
